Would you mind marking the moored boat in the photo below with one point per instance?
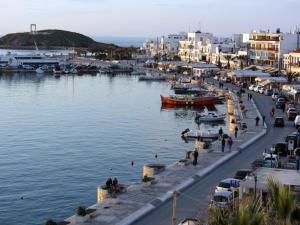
(188, 100)
(210, 116)
(208, 134)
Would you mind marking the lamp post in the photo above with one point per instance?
(255, 185)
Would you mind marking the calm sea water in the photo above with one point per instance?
(61, 138)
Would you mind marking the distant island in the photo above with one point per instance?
(48, 39)
(60, 39)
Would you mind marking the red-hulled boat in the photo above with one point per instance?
(188, 100)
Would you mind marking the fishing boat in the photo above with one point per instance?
(188, 100)
(208, 134)
(210, 116)
(152, 78)
(39, 71)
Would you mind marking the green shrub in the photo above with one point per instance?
(50, 222)
(81, 211)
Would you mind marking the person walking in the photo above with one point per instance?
(283, 108)
(229, 143)
(264, 119)
(250, 97)
(257, 120)
(236, 129)
(272, 111)
(223, 144)
(195, 154)
(220, 132)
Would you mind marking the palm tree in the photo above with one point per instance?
(242, 59)
(282, 202)
(219, 217)
(250, 213)
(290, 76)
(228, 58)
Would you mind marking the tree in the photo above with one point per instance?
(228, 59)
(290, 76)
(243, 59)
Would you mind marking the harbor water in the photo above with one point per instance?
(61, 138)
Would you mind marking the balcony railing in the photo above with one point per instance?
(264, 49)
(264, 39)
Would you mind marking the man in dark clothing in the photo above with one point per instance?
(220, 132)
(283, 108)
(257, 120)
(236, 129)
(109, 183)
(250, 96)
(264, 119)
(195, 154)
(223, 144)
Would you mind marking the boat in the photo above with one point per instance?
(152, 78)
(210, 116)
(138, 73)
(188, 100)
(208, 134)
(39, 71)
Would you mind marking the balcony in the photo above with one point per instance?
(264, 49)
(265, 39)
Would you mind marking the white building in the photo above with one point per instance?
(193, 49)
(169, 45)
(267, 49)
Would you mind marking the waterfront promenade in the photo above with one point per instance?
(143, 198)
(193, 201)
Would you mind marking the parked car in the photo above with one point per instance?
(261, 90)
(292, 114)
(280, 103)
(251, 87)
(270, 160)
(280, 149)
(229, 184)
(257, 88)
(222, 200)
(242, 174)
(279, 122)
(297, 122)
(275, 95)
(268, 92)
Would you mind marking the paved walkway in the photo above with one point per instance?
(113, 211)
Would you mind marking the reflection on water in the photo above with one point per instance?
(61, 138)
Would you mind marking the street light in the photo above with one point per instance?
(255, 185)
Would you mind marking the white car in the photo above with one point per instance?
(291, 110)
(257, 88)
(297, 122)
(261, 90)
(251, 87)
(229, 184)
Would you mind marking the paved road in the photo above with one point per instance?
(195, 199)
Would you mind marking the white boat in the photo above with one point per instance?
(210, 116)
(210, 133)
(39, 70)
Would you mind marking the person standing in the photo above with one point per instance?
(195, 154)
(220, 132)
(257, 120)
(229, 143)
(236, 129)
(264, 119)
(250, 97)
(283, 108)
(223, 144)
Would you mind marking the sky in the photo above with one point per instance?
(149, 18)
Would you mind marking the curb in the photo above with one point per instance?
(167, 196)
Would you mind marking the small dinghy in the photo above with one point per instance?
(209, 134)
(210, 116)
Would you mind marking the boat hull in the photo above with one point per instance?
(210, 100)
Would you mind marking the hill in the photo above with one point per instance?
(48, 39)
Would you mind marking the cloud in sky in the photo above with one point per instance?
(149, 18)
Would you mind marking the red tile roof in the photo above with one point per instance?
(296, 51)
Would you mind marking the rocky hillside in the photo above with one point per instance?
(48, 39)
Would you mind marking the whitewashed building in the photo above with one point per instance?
(169, 45)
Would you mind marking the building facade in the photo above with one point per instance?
(169, 45)
(267, 49)
(291, 61)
